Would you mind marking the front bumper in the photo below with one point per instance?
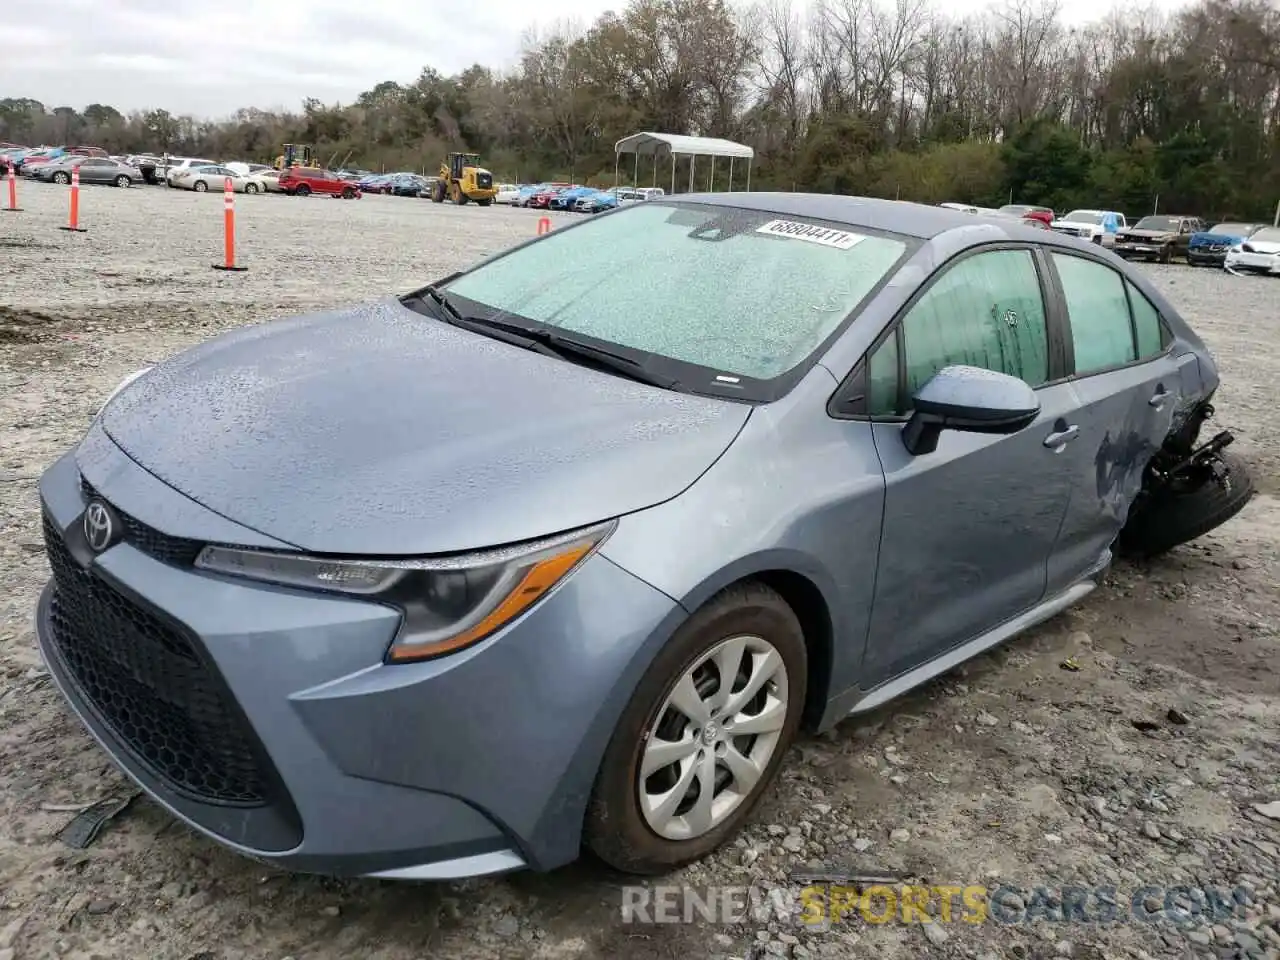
(265, 717)
(1207, 255)
(1266, 262)
(1135, 248)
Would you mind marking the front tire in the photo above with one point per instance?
(1171, 518)
(200, 187)
(123, 181)
(250, 188)
(61, 178)
(703, 736)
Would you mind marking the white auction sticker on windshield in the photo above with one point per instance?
(808, 232)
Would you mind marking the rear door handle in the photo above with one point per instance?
(1060, 438)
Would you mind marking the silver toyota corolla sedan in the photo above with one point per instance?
(566, 549)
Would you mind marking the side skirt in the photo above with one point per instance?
(856, 701)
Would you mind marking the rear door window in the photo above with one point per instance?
(1112, 322)
(1147, 328)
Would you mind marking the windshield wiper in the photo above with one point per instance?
(571, 348)
(508, 333)
(546, 342)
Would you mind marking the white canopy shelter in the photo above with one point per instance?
(677, 145)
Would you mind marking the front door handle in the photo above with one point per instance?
(1159, 398)
(1060, 438)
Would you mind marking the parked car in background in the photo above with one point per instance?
(1260, 253)
(1035, 223)
(407, 185)
(271, 180)
(540, 195)
(542, 199)
(152, 166)
(1095, 226)
(1044, 214)
(1158, 237)
(508, 193)
(92, 170)
(215, 177)
(36, 157)
(527, 193)
(174, 165)
(304, 181)
(599, 201)
(246, 169)
(565, 199)
(591, 201)
(1209, 247)
(31, 165)
(374, 182)
(475, 578)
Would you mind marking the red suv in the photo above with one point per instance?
(303, 181)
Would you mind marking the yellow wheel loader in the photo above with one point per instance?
(295, 155)
(462, 180)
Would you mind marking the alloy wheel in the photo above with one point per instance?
(713, 737)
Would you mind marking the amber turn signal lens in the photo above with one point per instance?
(537, 580)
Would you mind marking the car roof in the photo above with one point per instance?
(917, 220)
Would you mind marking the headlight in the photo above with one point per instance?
(447, 603)
(120, 386)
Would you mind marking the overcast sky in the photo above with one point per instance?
(208, 59)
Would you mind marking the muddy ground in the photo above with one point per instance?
(1012, 770)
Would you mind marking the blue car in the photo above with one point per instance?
(1209, 247)
(374, 183)
(567, 199)
(562, 551)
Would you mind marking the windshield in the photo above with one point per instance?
(1267, 235)
(1084, 216)
(1233, 229)
(1165, 224)
(741, 292)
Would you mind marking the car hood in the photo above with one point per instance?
(1205, 236)
(1074, 225)
(379, 431)
(1135, 234)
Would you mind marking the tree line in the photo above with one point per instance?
(890, 98)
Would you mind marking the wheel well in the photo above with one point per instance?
(810, 608)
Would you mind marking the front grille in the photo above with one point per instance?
(149, 685)
(177, 551)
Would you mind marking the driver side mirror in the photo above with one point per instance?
(970, 399)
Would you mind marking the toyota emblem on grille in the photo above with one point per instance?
(99, 526)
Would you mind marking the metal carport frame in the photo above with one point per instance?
(678, 145)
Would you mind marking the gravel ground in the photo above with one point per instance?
(1141, 768)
